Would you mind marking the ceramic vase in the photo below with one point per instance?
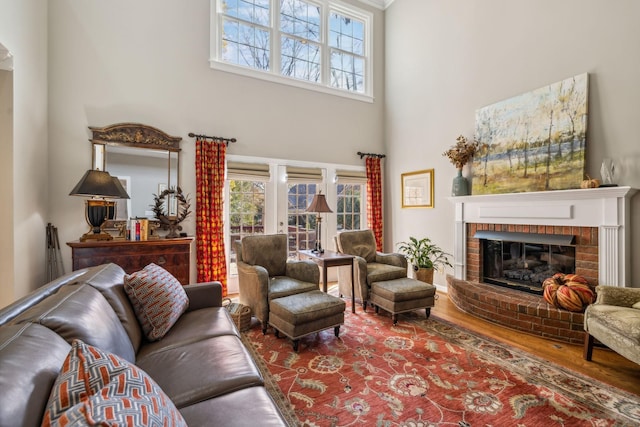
(460, 185)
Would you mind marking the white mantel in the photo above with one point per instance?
(606, 208)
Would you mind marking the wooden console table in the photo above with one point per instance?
(171, 254)
(331, 259)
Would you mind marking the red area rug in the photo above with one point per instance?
(427, 373)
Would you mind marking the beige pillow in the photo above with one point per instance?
(636, 305)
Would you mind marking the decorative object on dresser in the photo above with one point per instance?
(98, 185)
(171, 254)
(171, 207)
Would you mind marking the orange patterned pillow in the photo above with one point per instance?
(97, 388)
(158, 299)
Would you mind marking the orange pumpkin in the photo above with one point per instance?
(568, 291)
(590, 183)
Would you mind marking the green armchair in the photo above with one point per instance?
(614, 320)
(369, 265)
(264, 273)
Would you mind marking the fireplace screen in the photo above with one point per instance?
(523, 261)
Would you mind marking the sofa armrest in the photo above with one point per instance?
(304, 270)
(398, 260)
(202, 295)
(613, 295)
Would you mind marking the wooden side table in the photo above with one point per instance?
(331, 259)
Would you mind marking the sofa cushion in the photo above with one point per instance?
(158, 299)
(191, 327)
(202, 370)
(24, 382)
(81, 312)
(232, 409)
(109, 280)
(95, 387)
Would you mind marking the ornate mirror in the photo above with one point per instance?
(143, 158)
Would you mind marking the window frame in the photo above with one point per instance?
(273, 74)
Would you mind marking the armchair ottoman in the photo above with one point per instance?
(402, 295)
(302, 314)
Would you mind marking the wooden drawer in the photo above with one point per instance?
(171, 254)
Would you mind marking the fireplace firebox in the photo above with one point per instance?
(522, 261)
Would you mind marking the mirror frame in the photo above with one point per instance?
(135, 135)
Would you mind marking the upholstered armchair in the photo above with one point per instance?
(369, 265)
(614, 320)
(264, 273)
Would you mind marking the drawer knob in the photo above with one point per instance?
(162, 260)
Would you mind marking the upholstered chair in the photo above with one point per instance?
(264, 273)
(614, 320)
(369, 265)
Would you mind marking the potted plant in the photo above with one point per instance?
(425, 257)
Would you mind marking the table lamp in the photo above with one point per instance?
(319, 205)
(98, 185)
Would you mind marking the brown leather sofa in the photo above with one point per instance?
(201, 364)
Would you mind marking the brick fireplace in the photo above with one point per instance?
(598, 218)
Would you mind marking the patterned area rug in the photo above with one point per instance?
(427, 373)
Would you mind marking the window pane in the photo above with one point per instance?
(245, 45)
(349, 210)
(252, 11)
(346, 33)
(246, 214)
(300, 60)
(347, 71)
(302, 225)
(301, 19)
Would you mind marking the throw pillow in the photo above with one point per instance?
(95, 387)
(158, 299)
(636, 305)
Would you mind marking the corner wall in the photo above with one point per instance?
(23, 30)
(444, 60)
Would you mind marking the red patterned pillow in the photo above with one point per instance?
(95, 387)
(158, 299)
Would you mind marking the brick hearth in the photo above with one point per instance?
(516, 310)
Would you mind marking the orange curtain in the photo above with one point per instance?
(374, 198)
(210, 161)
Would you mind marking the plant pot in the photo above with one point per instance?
(425, 275)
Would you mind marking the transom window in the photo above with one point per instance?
(321, 44)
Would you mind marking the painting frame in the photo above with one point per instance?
(417, 189)
(535, 141)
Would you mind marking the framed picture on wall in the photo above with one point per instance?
(417, 189)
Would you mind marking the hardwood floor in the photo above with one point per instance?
(606, 365)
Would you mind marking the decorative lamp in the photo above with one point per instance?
(97, 185)
(319, 205)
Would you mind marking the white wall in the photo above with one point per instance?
(23, 30)
(147, 61)
(445, 59)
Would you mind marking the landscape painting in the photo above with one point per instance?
(533, 142)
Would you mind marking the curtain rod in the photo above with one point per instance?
(214, 138)
(380, 156)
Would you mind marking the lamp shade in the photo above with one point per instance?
(319, 204)
(96, 183)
